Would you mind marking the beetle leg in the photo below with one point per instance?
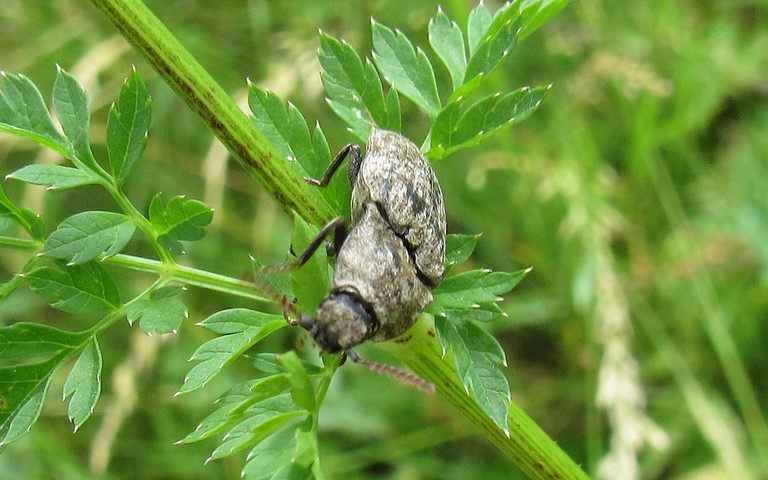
(339, 230)
(353, 152)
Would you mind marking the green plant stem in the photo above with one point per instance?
(526, 443)
(173, 271)
(205, 97)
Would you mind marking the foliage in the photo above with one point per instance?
(635, 191)
(277, 414)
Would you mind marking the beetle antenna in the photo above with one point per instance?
(404, 376)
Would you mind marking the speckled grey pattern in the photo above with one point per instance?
(394, 252)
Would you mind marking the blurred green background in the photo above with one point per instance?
(638, 194)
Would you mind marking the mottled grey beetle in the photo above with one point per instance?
(393, 253)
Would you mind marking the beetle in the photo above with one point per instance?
(391, 255)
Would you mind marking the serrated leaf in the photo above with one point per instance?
(301, 388)
(472, 288)
(354, 89)
(447, 41)
(219, 352)
(127, 127)
(29, 354)
(477, 355)
(85, 288)
(56, 177)
(271, 456)
(83, 384)
(458, 248)
(233, 405)
(28, 219)
(269, 363)
(72, 110)
(237, 320)
(182, 219)
(264, 419)
(84, 236)
(495, 44)
(479, 21)
(285, 127)
(23, 112)
(407, 69)
(453, 131)
(158, 315)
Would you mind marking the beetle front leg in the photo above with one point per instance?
(352, 152)
(339, 230)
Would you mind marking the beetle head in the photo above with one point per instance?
(343, 321)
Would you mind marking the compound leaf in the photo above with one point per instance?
(285, 127)
(354, 89)
(453, 130)
(244, 327)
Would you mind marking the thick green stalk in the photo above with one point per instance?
(206, 98)
(526, 443)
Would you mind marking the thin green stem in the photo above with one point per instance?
(206, 98)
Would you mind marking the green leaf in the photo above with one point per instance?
(29, 354)
(301, 388)
(288, 131)
(458, 248)
(21, 419)
(537, 13)
(494, 46)
(407, 69)
(473, 288)
(264, 419)
(306, 447)
(245, 328)
(23, 112)
(477, 25)
(72, 108)
(180, 220)
(127, 126)
(158, 315)
(452, 131)
(84, 384)
(272, 457)
(84, 236)
(477, 356)
(76, 288)
(56, 177)
(28, 219)
(354, 89)
(233, 405)
(446, 39)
